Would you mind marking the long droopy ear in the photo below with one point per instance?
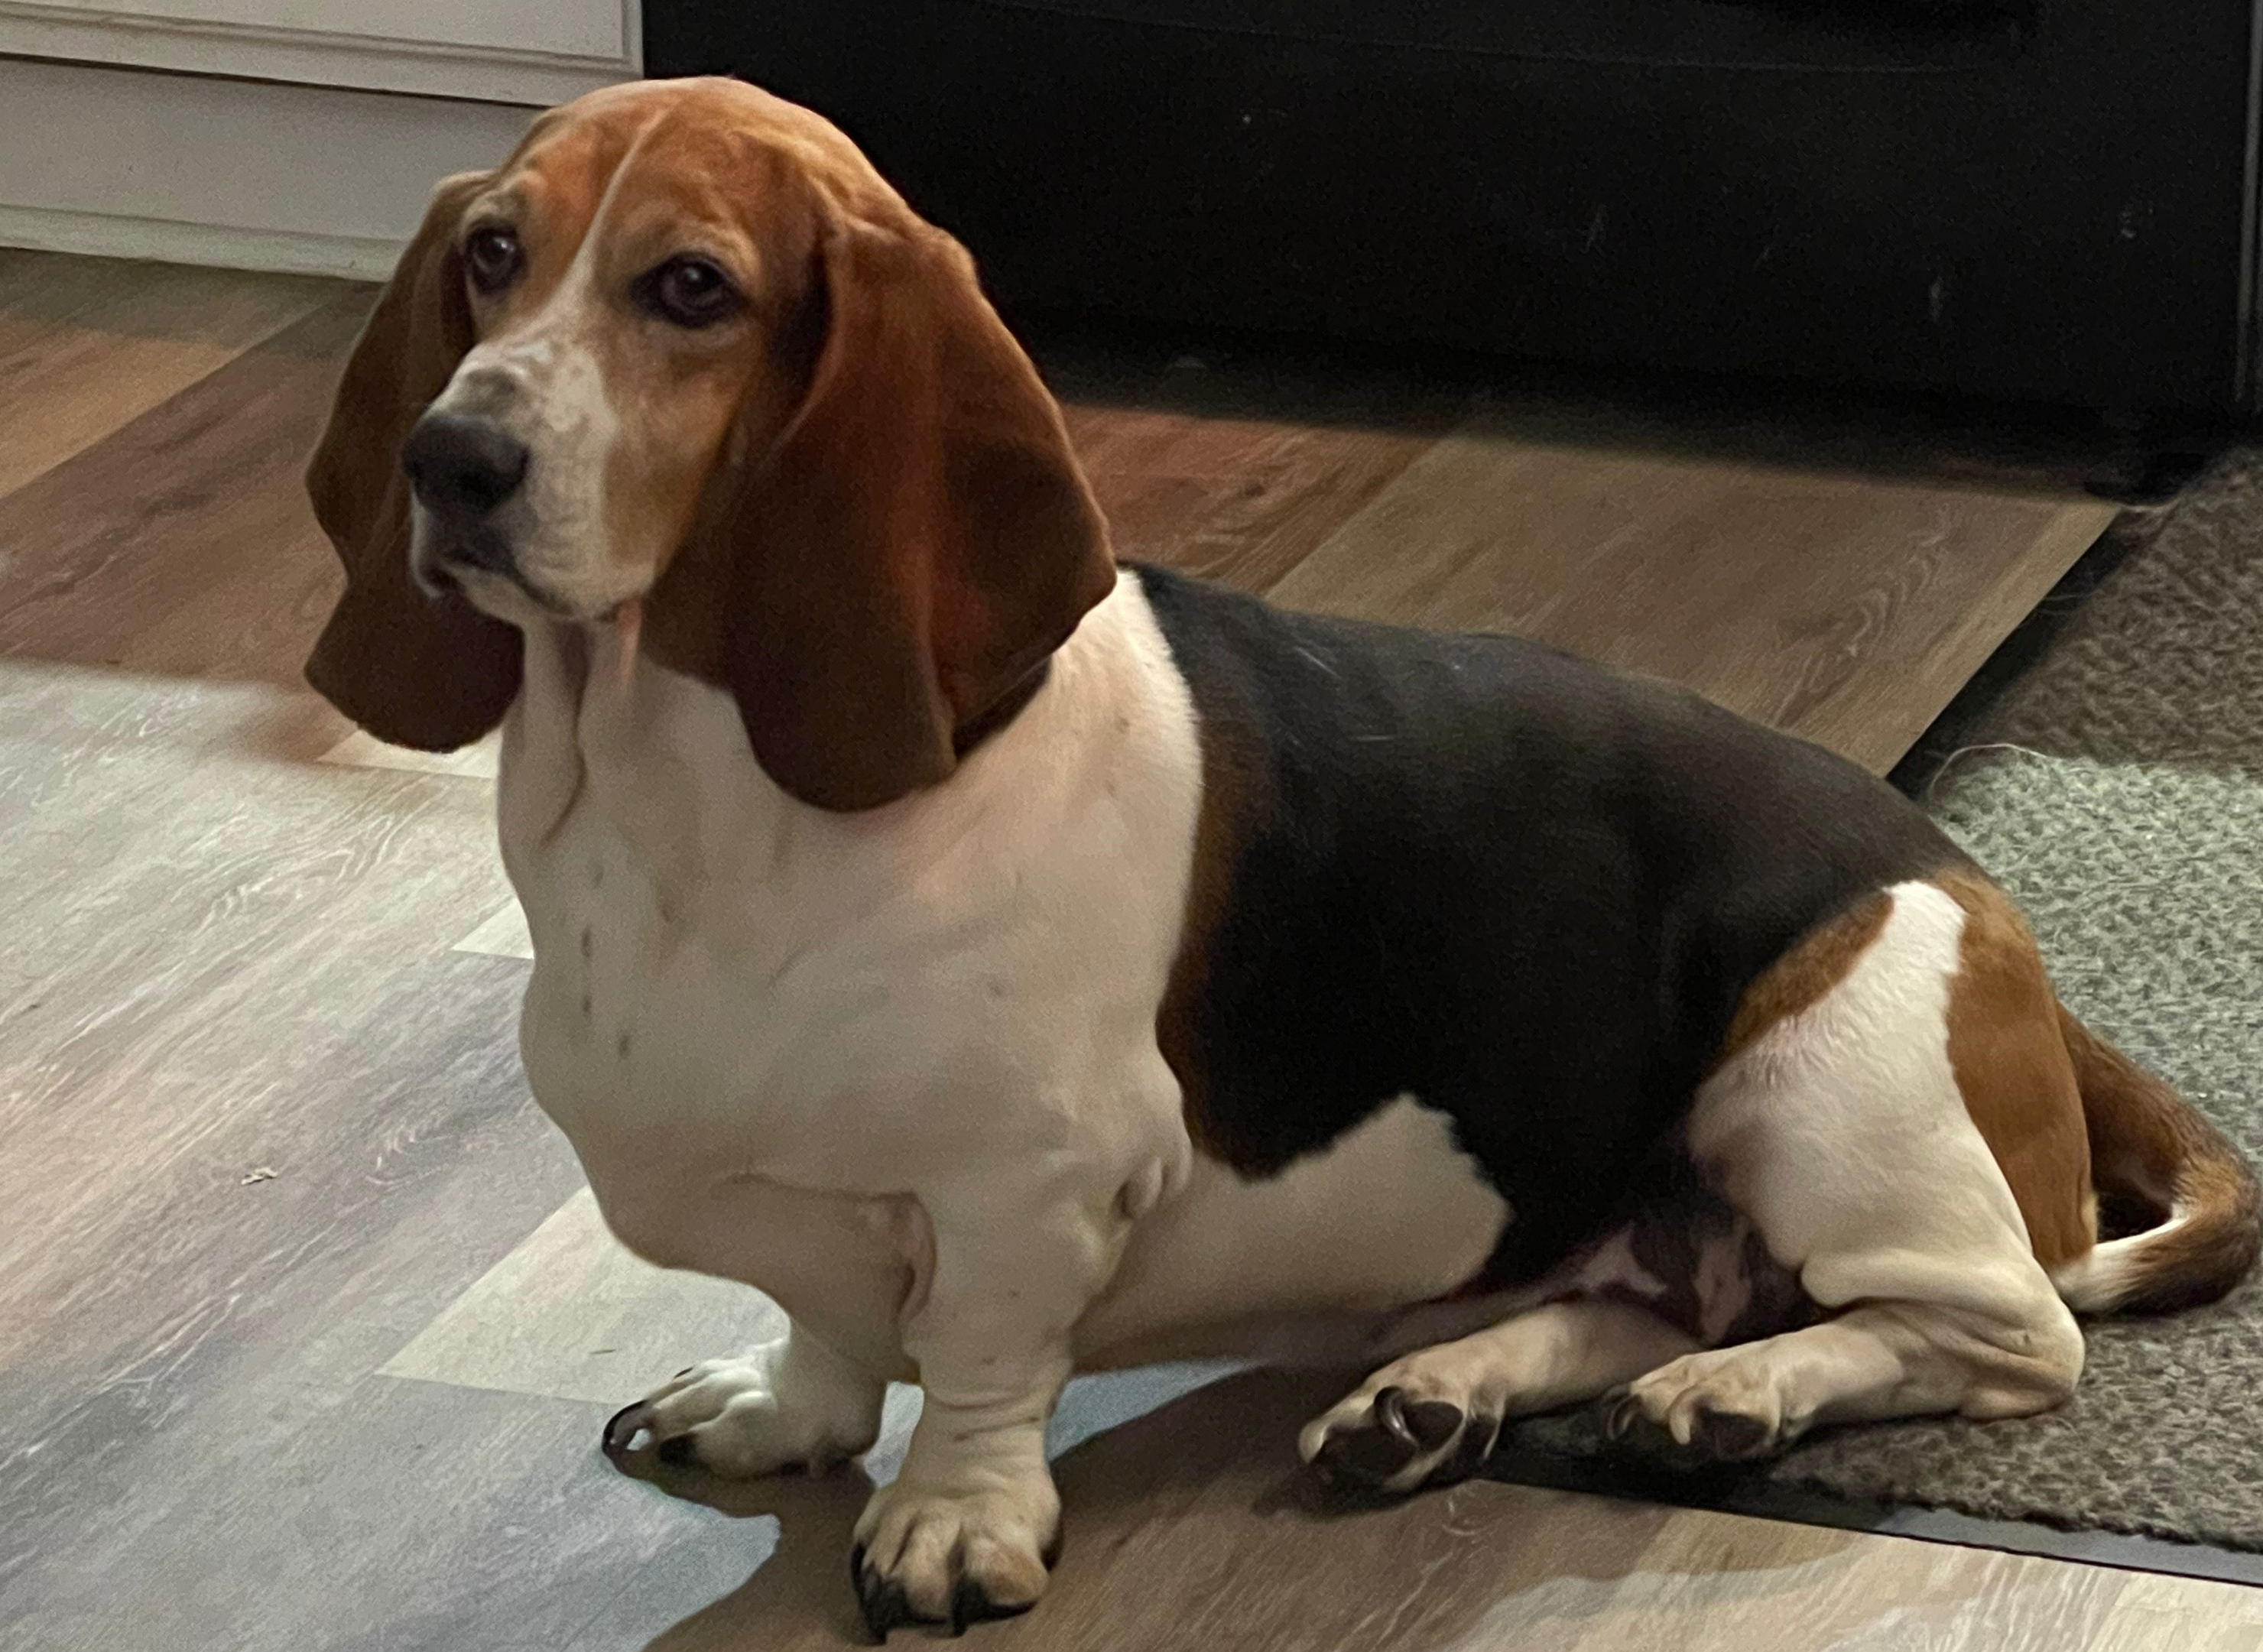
(917, 542)
(415, 669)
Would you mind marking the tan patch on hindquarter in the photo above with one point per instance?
(1801, 977)
(2004, 1048)
(2012, 1064)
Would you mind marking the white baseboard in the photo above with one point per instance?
(252, 174)
(292, 252)
(532, 51)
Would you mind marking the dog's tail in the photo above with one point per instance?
(2149, 1147)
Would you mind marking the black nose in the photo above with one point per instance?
(461, 465)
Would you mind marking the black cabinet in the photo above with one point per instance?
(2050, 201)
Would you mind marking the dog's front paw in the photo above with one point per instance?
(933, 1557)
(757, 1414)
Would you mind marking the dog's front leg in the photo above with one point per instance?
(967, 1530)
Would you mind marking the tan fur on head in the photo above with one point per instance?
(848, 499)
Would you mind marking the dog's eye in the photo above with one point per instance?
(688, 291)
(493, 259)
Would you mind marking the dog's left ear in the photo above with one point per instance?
(432, 672)
(912, 544)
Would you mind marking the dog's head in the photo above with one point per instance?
(685, 354)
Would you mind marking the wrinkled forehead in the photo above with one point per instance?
(641, 173)
(559, 179)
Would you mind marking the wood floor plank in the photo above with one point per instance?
(88, 344)
(1844, 608)
(364, 750)
(1235, 469)
(181, 545)
(570, 1314)
(2155, 1614)
(1242, 500)
(386, 1517)
(503, 933)
(224, 957)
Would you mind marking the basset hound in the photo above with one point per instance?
(1013, 962)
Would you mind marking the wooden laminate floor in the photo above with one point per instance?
(307, 1325)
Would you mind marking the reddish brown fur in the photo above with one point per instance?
(1800, 978)
(1231, 799)
(853, 504)
(412, 671)
(2012, 1068)
(2147, 1143)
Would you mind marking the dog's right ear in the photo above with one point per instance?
(414, 669)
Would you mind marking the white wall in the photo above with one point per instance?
(274, 134)
(507, 51)
(247, 174)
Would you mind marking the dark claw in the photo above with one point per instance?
(1433, 1422)
(1390, 1412)
(1398, 1432)
(970, 1602)
(886, 1607)
(622, 1428)
(1617, 1414)
(1720, 1437)
(883, 1600)
(1362, 1457)
(1731, 1436)
(1469, 1454)
(1629, 1428)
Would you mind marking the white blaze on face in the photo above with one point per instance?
(543, 383)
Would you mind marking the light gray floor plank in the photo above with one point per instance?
(87, 344)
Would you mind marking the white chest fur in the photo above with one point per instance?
(766, 1027)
